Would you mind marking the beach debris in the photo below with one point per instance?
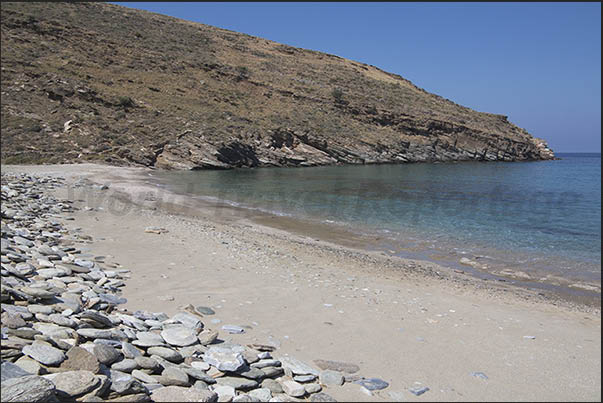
(529, 337)
(155, 230)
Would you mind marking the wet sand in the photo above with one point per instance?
(321, 297)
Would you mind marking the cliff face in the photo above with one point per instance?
(100, 82)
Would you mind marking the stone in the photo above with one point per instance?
(272, 385)
(328, 377)
(179, 336)
(125, 384)
(233, 329)
(96, 319)
(148, 339)
(372, 383)
(80, 359)
(44, 353)
(293, 389)
(8, 370)
(91, 333)
(266, 363)
(71, 384)
(143, 376)
(200, 365)
(181, 394)
(61, 320)
(418, 390)
(204, 310)
(321, 397)
(112, 299)
(312, 388)
(480, 375)
(337, 366)
(31, 366)
(12, 321)
(237, 383)
(297, 367)
(31, 388)
(106, 355)
(261, 394)
(304, 378)
(147, 363)
(188, 320)
(272, 372)
(224, 359)
(129, 350)
(174, 377)
(198, 374)
(166, 353)
(225, 393)
(207, 337)
(250, 373)
(126, 365)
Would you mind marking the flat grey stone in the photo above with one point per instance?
(237, 383)
(337, 366)
(293, 389)
(31, 388)
(148, 339)
(418, 390)
(225, 393)
(143, 377)
(233, 329)
(266, 363)
(224, 358)
(205, 310)
(126, 365)
(73, 383)
(297, 367)
(174, 377)
(321, 397)
(28, 365)
(480, 375)
(44, 353)
(328, 377)
(179, 336)
(106, 355)
(166, 353)
(147, 363)
(304, 378)
(91, 333)
(182, 394)
(272, 385)
(372, 383)
(188, 320)
(198, 374)
(129, 350)
(272, 372)
(312, 388)
(9, 370)
(261, 394)
(207, 337)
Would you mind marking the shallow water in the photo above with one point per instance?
(543, 218)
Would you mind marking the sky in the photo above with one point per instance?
(537, 63)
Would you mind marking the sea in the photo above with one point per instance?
(537, 223)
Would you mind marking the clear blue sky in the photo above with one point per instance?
(538, 63)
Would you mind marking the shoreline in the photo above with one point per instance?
(140, 187)
(248, 266)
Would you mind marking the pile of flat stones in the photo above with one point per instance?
(64, 336)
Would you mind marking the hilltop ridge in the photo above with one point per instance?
(101, 82)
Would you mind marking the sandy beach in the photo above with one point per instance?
(409, 323)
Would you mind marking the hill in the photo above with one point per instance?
(100, 82)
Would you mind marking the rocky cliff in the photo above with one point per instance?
(94, 81)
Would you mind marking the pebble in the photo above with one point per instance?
(418, 390)
(44, 353)
(372, 383)
(328, 377)
(179, 336)
(232, 329)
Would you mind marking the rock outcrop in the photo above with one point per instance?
(100, 82)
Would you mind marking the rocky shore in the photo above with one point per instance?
(65, 337)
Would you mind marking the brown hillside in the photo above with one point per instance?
(94, 81)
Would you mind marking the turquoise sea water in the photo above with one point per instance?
(539, 217)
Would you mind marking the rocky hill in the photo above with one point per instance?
(95, 81)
